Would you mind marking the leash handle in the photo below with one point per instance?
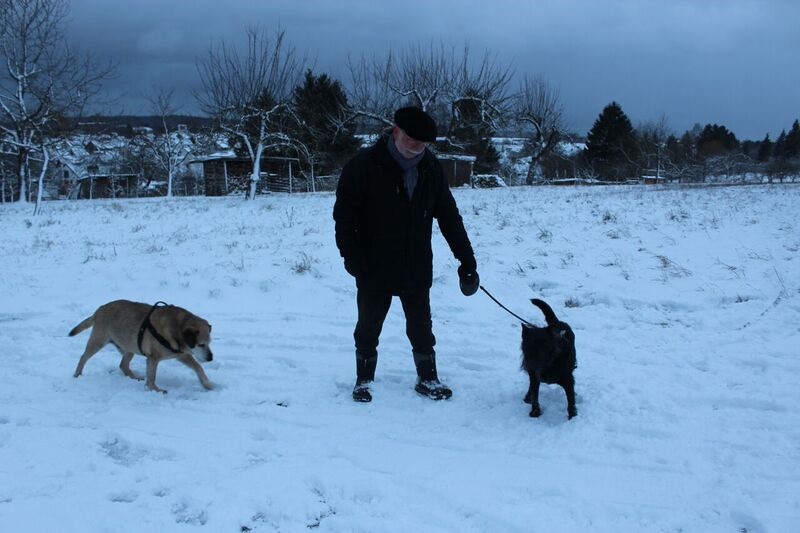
(505, 308)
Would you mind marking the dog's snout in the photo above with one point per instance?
(203, 353)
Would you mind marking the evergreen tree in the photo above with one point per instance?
(748, 147)
(780, 144)
(791, 147)
(317, 103)
(673, 149)
(716, 140)
(611, 144)
(764, 150)
(688, 149)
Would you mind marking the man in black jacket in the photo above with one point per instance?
(387, 198)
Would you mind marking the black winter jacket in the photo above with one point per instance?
(384, 238)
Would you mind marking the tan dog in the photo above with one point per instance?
(157, 332)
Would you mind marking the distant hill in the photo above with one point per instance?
(126, 125)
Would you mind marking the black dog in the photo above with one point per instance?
(548, 355)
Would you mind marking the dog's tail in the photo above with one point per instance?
(86, 324)
(549, 315)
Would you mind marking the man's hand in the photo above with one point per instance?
(468, 279)
(355, 266)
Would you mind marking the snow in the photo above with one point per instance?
(684, 301)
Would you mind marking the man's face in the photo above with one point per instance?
(408, 146)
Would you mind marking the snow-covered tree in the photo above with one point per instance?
(479, 93)
(169, 149)
(249, 93)
(538, 108)
(42, 79)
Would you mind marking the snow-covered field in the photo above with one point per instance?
(685, 304)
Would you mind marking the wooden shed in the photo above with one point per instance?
(225, 174)
(457, 168)
(108, 186)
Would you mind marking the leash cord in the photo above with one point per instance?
(505, 308)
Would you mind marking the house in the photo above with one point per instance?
(93, 166)
(653, 179)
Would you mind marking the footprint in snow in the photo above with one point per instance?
(123, 497)
(185, 514)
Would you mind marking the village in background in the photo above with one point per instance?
(118, 157)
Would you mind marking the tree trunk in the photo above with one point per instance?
(532, 171)
(22, 176)
(38, 207)
(255, 176)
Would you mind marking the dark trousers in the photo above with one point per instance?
(372, 308)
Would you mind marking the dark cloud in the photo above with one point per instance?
(732, 62)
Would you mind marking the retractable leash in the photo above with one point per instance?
(505, 308)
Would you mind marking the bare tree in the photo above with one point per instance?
(169, 149)
(369, 97)
(249, 93)
(42, 80)
(2, 181)
(446, 85)
(416, 76)
(538, 106)
(479, 92)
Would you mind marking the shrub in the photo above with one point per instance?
(487, 181)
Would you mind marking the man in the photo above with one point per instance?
(387, 198)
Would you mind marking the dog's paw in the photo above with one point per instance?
(536, 412)
(572, 413)
(527, 398)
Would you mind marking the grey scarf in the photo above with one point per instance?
(409, 166)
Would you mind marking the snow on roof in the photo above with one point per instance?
(456, 157)
(571, 148)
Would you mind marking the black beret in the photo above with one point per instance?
(416, 123)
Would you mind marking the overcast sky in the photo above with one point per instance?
(731, 62)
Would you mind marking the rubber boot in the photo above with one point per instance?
(428, 383)
(365, 375)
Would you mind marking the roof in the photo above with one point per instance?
(457, 157)
(232, 157)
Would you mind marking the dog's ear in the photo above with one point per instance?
(190, 337)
